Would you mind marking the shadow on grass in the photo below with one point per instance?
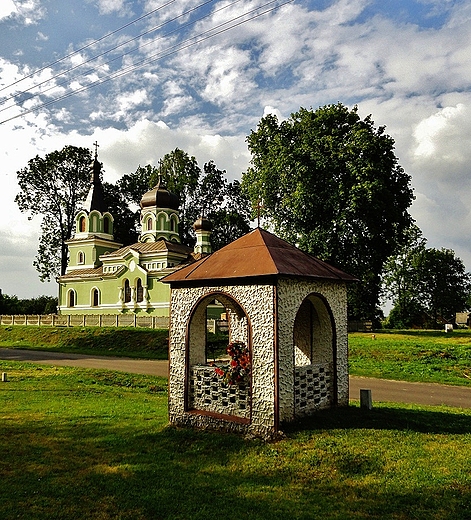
(111, 472)
(97, 470)
(386, 418)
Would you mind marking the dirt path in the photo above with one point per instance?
(381, 389)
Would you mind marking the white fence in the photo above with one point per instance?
(87, 320)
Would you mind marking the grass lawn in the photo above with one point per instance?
(106, 341)
(425, 356)
(422, 355)
(95, 444)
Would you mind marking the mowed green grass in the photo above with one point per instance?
(422, 355)
(96, 444)
(103, 341)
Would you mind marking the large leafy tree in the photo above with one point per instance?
(201, 192)
(427, 281)
(223, 203)
(182, 174)
(330, 182)
(400, 281)
(126, 220)
(443, 283)
(53, 187)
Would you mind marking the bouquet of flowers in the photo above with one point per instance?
(239, 366)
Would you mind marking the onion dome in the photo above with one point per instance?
(160, 197)
(203, 224)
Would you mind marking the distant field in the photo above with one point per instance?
(426, 356)
(96, 445)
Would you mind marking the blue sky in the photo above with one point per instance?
(407, 63)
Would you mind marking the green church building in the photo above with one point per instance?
(105, 277)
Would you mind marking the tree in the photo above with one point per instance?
(429, 281)
(182, 174)
(53, 187)
(223, 203)
(126, 221)
(200, 193)
(443, 283)
(330, 182)
(400, 281)
(39, 305)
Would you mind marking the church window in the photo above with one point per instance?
(95, 298)
(149, 224)
(82, 224)
(81, 258)
(172, 224)
(71, 299)
(127, 291)
(106, 225)
(139, 291)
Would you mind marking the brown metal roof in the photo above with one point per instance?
(257, 254)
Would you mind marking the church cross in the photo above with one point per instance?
(96, 145)
(259, 210)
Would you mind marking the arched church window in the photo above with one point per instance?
(95, 298)
(81, 258)
(127, 291)
(82, 223)
(172, 225)
(139, 291)
(106, 225)
(149, 224)
(71, 299)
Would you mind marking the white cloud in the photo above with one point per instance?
(121, 7)
(28, 11)
(7, 7)
(413, 79)
(443, 146)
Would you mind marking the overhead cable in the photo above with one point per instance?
(94, 42)
(194, 40)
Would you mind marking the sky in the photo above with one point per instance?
(143, 77)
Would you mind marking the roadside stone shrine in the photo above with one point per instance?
(287, 354)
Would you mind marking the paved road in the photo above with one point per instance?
(135, 366)
(381, 389)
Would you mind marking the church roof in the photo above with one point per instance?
(91, 272)
(95, 199)
(160, 197)
(151, 247)
(257, 254)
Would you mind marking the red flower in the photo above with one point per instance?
(239, 366)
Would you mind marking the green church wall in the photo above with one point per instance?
(102, 276)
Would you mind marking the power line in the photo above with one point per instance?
(158, 56)
(87, 46)
(18, 94)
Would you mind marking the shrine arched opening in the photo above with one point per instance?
(206, 392)
(315, 353)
